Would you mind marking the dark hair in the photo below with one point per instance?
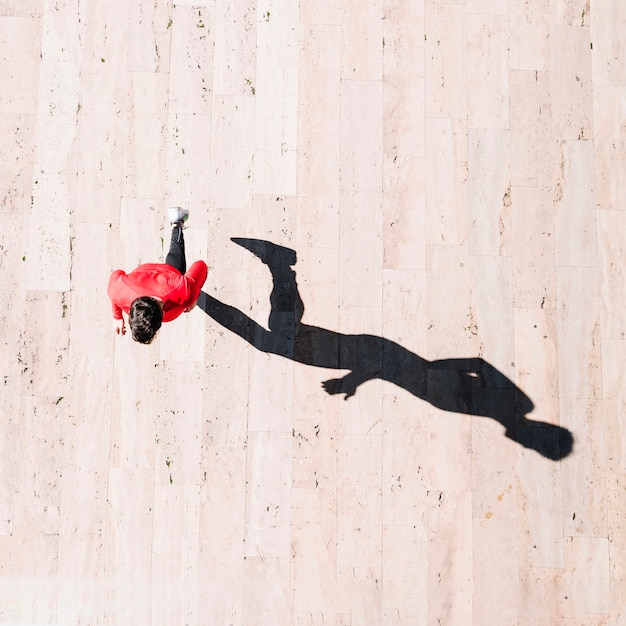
(144, 319)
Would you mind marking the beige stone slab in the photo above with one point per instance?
(536, 361)
(488, 71)
(362, 40)
(588, 580)
(89, 415)
(404, 191)
(231, 154)
(101, 137)
(276, 103)
(20, 39)
(570, 73)
(616, 488)
(267, 596)
(141, 233)
(95, 253)
(17, 153)
(314, 462)
(532, 146)
(175, 555)
(494, 473)
(612, 272)
(271, 393)
(188, 167)
(144, 158)
(149, 37)
(542, 596)
(576, 242)
(268, 497)
(313, 550)
(105, 42)
(405, 464)
(42, 352)
(360, 249)
(404, 24)
(608, 45)
(191, 60)
(609, 115)
(533, 248)
(361, 593)
(448, 302)
(404, 575)
(403, 97)
(614, 401)
(449, 556)
(359, 501)
(361, 141)
(318, 190)
(133, 410)
(221, 536)
(445, 36)
(579, 334)
(178, 435)
(446, 172)
(583, 484)
(539, 497)
(493, 542)
(48, 264)
(234, 61)
(21, 8)
(81, 527)
(489, 189)
(318, 618)
(128, 536)
(487, 7)
(529, 35)
(492, 317)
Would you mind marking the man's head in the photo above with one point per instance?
(145, 319)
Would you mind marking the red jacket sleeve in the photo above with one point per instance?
(196, 276)
(112, 290)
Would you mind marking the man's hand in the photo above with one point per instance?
(119, 327)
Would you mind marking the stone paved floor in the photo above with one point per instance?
(451, 177)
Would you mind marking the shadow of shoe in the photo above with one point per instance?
(270, 253)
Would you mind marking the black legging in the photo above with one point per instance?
(176, 256)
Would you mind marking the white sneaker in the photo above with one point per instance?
(177, 215)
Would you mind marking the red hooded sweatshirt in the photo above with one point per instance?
(159, 280)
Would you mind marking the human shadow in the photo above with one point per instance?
(461, 385)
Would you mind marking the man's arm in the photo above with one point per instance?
(195, 278)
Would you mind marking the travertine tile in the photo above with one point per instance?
(445, 35)
(534, 275)
(575, 227)
(450, 557)
(447, 175)
(450, 174)
(489, 188)
(20, 37)
(588, 580)
(267, 595)
(612, 272)
(359, 502)
(488, 71)
(614, 403)
(494, 541)
(532, 144)
(268, 497)
(579, 334)
(362, 40)
(405, 575)
(361, 135)
(529, 35)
